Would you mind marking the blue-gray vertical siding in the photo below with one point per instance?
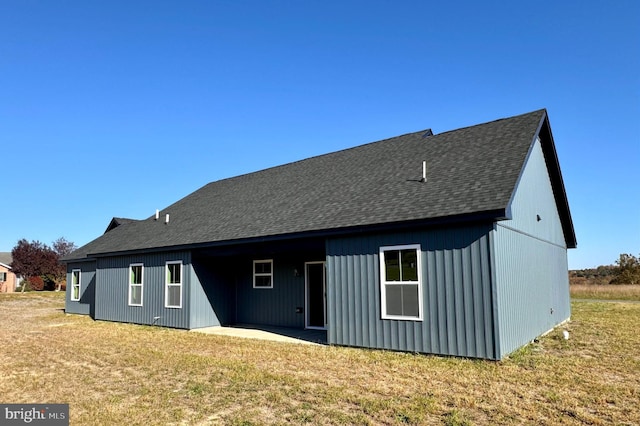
(532, 288)
(532, 285)
(212, 292)
(86, 303)
(112, 290)
(533, 207)
(281, 305)
(457, 293)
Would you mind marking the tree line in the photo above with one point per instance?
(625, 271)
(40, 265)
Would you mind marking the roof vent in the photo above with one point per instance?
(427, 133)
(424, 172)
(157, 214)
(166, 219)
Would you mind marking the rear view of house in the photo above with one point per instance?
(454, 244)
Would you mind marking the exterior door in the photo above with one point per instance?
(316, 295)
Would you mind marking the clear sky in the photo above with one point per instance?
(116, 108)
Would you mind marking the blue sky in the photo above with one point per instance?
(117, 108)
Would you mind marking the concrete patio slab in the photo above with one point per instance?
(276, 334)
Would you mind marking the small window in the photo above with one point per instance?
(75, 285)
(173, 285)
(401, 283)
(136, 272)
(3, 277)
(263, 273)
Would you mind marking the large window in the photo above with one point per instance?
(75, 285)
(135, 284)
(263, 273)
(173, 286)
(401, 282)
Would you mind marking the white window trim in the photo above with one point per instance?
(141, 285)
(262, 274)
(167, 284)
(79, 285)
(384, 283)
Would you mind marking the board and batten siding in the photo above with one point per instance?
(112, 290)
(457, 293)
(281, 305)
(212, 292)
(531, 272)
(86, 304)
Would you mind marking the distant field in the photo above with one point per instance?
(605, 292)
(119, 374)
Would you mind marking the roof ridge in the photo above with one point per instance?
(346, 189)
(492, 121)
(326, 154)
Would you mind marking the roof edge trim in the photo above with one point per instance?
(557, 182)
(470, 218)
(543, 132)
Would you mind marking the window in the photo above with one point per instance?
(173, 286)
(3, 277)
(401, 282)
(135, 284)
(75, 285)
(263, 273)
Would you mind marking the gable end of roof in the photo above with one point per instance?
(557, 183)
(543, 132)
(117, 221)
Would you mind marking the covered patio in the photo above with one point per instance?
(265, 332)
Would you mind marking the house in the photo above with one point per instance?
(452, 243)
(8, 280)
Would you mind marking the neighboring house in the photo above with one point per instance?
(8, 280)
(466, 256)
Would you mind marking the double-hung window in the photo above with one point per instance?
(3, 277)
(136, 271)
(263, 273)
(173, 285)
(75, 285)
(401, 282)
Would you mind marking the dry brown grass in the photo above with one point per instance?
(117, 374)
(605, 292)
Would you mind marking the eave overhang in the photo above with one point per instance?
(489, 216)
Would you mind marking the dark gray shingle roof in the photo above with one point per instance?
(117, 221)
(472, 170)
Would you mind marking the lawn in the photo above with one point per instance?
(118, 374)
